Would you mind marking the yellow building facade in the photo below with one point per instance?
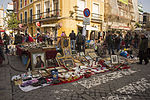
(57, 16)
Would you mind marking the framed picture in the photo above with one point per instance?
(88, 57)
(114, 59)
(51, 63)
(81, 53)
(65, 42)
(92, 55)
(68, 63)
(38, 60)
(67, 52)
(60, 61)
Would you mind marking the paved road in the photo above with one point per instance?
(131, 84)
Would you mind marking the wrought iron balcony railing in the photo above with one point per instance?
(47, 14)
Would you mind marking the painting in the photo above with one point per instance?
(92, 55)
(38, 60)
(60, 61)
(114, 59)
(68, 63)
(51, 63)
(67, 52)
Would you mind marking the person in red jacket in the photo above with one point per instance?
(30, 39)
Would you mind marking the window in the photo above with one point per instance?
(81, 4)
(20, 3)
(95, 10)
(55, 7)
(15, 5)
(25, 2)
(25, 15)
(38, 11)
(21, 17)
(47, 9)
(30, 15)
(31, 1)
(81, 7)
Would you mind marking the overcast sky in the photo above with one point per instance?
(146, 4)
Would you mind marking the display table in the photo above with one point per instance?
(50, 52)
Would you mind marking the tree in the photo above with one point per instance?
(11, 21)
(137, 25)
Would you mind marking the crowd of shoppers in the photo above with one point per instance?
(113, 40)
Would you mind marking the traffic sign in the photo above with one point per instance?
(86, 12)
(86, 21)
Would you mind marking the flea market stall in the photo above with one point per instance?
(52, 68)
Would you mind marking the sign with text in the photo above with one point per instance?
(86, 21)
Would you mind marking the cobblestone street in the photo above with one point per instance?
(128, 84)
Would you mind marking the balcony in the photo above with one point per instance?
(79, 14)
(96, 18)
(23, 21)
(48, 15)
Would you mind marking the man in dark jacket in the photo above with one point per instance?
(79, 42)
(72, 38)
(143, 50)
(6, 42)
(18, 38)
(110, 42)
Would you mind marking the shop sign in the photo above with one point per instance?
(86, 21)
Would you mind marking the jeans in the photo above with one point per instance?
(73, 43)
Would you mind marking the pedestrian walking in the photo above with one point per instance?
(143, 50)
(6, 42)
(73, 39)
(118, 42)
(18, 38)
(79, 41)
(136, 40)
(126, 40)
(1, 55)
(110, 42)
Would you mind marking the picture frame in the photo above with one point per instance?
(88, 57)
(60, 61)
(92, 55)
(51, 63)
(38, 60)
(68, 63)
(81, 54)
(114, 59)
(65, 45)
(67, 52)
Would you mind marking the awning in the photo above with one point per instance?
(2, 30)
(48, 25)
(88, 27)
(124, 27)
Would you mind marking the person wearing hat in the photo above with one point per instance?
(143, 50)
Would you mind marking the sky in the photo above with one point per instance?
(4, 3)
(145, 3)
